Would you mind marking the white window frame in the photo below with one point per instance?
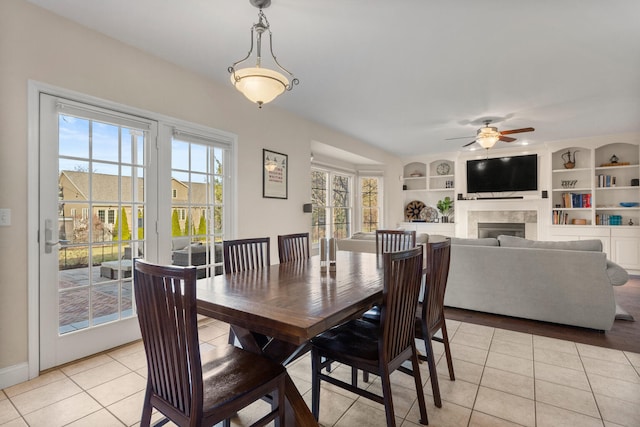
(332, 172)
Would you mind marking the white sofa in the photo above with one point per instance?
(561, 282)
(366, 242)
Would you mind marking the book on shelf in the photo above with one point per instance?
(576, 200)
(560, 217)
(606, 181)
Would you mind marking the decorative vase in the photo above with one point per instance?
(569, 161)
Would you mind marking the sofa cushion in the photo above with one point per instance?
(486, 241)
(363, 236)
(422, 238)
(178, 243)
(618, 276)
(594, 245)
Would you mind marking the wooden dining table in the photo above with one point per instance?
(275, 311)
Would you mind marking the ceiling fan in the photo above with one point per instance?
(487, 136)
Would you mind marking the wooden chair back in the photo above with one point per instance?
(166, 305)
(292, 247)
(402, 281)
(438, 259)
(394, 240)
(246, 254)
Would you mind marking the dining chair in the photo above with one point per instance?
(242, 255)
(190, 387)
(246, 254)
(389, 241)
(378, 348)
(394, 240)
(430, 314)
(293, 247)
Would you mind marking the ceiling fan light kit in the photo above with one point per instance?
(488, 136)
(261, 85)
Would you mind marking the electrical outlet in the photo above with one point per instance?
(5, 217)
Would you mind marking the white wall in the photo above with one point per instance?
(37, 45)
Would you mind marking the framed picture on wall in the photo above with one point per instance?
(275, 174)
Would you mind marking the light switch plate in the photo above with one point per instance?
(5, 217)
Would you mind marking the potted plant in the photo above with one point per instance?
(445, 206)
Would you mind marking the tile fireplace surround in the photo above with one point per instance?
(528, 211)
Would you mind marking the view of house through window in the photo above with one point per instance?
(100, 191)
(197, 182)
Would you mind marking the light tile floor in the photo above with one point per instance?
(503, 378)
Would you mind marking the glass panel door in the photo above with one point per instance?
(93, 206)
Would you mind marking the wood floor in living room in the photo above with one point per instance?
(624, 335)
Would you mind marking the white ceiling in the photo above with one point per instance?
(405, 75)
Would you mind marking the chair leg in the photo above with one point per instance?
(388, 398)
(279, 401)
(419, 390)
(145, 419)
(433, 374)
(447, 351)
(315, 383)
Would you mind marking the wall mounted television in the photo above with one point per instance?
(502, 174)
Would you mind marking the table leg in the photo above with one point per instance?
(279, 351)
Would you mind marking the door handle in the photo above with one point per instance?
(48, 235)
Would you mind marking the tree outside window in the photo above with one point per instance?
(370, 205)
(332, 201)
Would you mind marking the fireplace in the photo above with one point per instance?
(495, 229)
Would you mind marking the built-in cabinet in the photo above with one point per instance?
(598, 197)
(599, 187)
(428, 183)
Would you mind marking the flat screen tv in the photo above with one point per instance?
(502, 174)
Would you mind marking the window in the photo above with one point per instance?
(174, 193)
(331, 196)
(101, 215)
(111, 216)
(370, 203)
(200, 164)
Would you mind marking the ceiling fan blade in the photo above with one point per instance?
(472, 142)
(508, 132)
(460, 137)
(507, 139)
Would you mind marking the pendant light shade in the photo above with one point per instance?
(259, 84)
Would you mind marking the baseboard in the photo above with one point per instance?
(12, 375)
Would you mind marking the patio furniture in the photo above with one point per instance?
(112, 269)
